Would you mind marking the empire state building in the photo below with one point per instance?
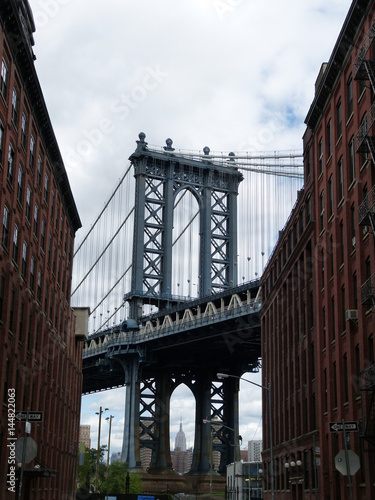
(180, 441)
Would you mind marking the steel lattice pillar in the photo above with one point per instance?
(159, 177)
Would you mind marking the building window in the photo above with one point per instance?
(28, 203)
(338, 120)
(36, 220)
(32, 153)
(24, 259)
(331, 256)
(357, 370)
(308, 209)
(4, 80)
(329, 139)
(39, 286)
(371, 349)
(1, 142)
(46, 184)
(355, 293)
(15, 243)
(346, 379)
(20, 185)
(352, 219)
(334, 384)
(14, 106)
(307, 163)
(43, 235)
(324, 328)
(322, 258)
(349, 96)
(32, 273)
(341, 242)
(39, 172)
(5, 237)
(23, 130)
(333, 318)
(49, 250)
(322, 211)
(10, 164)
(325, 391)
(341, 179)
(351, 161)
(2, 287)
(320, 156)
(330, 195)
(343, 320)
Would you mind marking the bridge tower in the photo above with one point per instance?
(160, 177)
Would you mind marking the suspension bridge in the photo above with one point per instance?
(170, 270)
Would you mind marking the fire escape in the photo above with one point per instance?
(364, 70)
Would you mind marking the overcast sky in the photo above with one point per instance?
(230, 74)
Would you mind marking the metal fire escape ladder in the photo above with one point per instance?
(364, 69)
(365, 142)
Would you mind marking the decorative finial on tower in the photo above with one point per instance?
(168, 146)
(231, 156)
(206, 150)
(141, 144)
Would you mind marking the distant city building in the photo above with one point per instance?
(116, 457)
(84, 435)
(180, 441)
(181, 457)
(244, 481)
(255, 448)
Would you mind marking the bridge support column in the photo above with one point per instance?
(161, 455)
(130, 446)
(231, 419)
(201, 455)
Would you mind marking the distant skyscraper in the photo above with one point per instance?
(255, 451)
(181, 457)
(180, 441)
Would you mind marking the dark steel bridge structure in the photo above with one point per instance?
(167, 339)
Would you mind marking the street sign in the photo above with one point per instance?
(31, 449)
(34, 416)
(353, 462)
(339, 427)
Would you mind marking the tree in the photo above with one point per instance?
(87, 469)
(116, 480)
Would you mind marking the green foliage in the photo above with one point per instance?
(86, 473)
(117, 480)
(117, 472)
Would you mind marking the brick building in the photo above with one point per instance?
(85, 435)
(318, 287)
(40, 348)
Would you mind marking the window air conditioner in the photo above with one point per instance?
(351, 315)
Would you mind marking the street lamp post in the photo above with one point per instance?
(98, 452)
(268, 389)
(218, 422)
(109, 446)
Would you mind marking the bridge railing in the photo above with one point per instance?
(143, 335)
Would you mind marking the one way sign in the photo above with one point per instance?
(34, 416)
(339, 426)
